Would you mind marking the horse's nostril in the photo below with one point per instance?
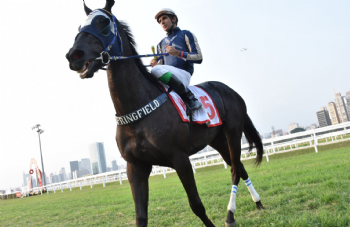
(77, 54)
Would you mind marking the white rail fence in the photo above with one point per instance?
(271, 146)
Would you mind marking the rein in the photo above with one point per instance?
(114, 58)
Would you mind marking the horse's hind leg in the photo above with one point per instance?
(138, 177)
(251, 189)
(183, 167)
(220, 144)
(233, 138)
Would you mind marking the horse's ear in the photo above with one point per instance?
(87, 9)
(109, 5)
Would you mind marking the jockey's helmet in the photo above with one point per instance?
(168, 12)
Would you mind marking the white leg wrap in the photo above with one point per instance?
(232, 204)
(253, 193)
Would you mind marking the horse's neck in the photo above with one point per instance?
(129, 88)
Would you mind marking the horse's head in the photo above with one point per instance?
(97, 35)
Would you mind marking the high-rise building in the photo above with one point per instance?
(83, 172)
(279, 132)
(80, 173)
(75, 174)
(333, 115)
(292, 126)
(347, 98)
(98, 158)
(62, 175)
(55, 179)
(276, 133)
(74, 165)
(341, 108)
(34, 182)
(80, 165)
(114, 165)
(44, 178)
(267, 135)
(85, 163)
(121, 166)
(323, 117)
(51, 178)
(26, 179)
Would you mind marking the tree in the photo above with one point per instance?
(297, 130)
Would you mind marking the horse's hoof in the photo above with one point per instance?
(259, 206)
(231, 224)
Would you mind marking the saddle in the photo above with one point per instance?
(207, 114)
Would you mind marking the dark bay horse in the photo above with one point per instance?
(162, 138)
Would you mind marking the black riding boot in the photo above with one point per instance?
(185, 93)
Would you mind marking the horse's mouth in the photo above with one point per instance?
(84, 70)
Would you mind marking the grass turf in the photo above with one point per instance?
(298, 188)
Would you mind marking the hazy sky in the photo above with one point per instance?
(298, 50)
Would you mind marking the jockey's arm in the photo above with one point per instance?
(195, 54)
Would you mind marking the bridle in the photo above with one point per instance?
(105, 57)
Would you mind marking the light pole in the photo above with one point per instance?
(40, 131)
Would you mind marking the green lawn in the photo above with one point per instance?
(298, 188)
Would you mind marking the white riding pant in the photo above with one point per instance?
(182, 75)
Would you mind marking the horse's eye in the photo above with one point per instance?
(106, 30)
(107, 23)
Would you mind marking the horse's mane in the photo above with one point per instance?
(133, 46)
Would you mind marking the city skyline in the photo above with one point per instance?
(337, 111)
(63, 176)
(323, 114)
(97, 146)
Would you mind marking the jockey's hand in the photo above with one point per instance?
(172, 51)
(153, 63)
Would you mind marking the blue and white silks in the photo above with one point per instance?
(187, 43)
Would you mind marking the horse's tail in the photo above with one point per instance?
(253, 137)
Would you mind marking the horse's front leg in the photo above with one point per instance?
(138, 177)
(184, 170)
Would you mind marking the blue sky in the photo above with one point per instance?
(298, 51)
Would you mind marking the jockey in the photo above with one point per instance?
(176, 69)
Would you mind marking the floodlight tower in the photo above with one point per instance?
(40, 131)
